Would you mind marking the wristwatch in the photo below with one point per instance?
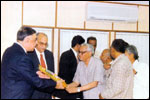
(78, 89)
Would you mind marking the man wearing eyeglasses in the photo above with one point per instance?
(44, 57)
(89, 74)
(67, 68)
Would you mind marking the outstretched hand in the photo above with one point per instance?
(59, 84)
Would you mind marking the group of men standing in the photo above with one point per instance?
(87, 77)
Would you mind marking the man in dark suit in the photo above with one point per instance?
(18, 78)
(68, 65)
(42, 42)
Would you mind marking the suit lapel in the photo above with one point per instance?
(73, 56)
(46, 58)
(36, 60)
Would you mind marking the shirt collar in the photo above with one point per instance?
(21, 46)
(75, 53)
(135, 64)
(39, 52)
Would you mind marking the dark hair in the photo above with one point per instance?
(131, 49)
(119, 45)
(77, 40)
(91, 38)
(24, 32)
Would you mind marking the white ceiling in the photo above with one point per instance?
(133, 2)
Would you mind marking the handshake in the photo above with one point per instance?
(47, 74)
(60, 84)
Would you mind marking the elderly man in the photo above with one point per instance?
(89, 74)
(67, 68)
(107, 61)
(141, 71)
(106, 58)
(44, 57)
(119, 84)
(18, 78)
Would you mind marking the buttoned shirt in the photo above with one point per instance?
(141, 80)
(119, 84)
(87, 74)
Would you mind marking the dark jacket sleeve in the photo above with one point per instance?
(25, 71)
(50, 60)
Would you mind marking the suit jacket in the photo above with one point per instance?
(18, 79)
(67, 69)
(50, 65)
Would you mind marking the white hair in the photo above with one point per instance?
(89, 47)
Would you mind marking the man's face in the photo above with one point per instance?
(42, 43)
(104, 57)
(93, 43)
(78, 47)
(84, 54)
(130, 56)
(32, 42)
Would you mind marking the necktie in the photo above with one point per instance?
(42, 61)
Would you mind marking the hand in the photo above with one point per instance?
(100, 97)
(107, 66)
(42, 75)
(71, 89)
(69, 86)
(60, 84)
(134, 71)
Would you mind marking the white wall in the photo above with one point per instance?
(11, 22)
(69, 15)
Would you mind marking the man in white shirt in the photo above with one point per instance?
(43, 57)
(141, 71)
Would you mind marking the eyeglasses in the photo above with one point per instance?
(82, 52)
(41, 43)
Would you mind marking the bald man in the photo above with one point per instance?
(44, 57)
(106, 58)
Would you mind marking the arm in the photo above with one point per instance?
(43, 76)
(73, 84)
(83, 88)
(89, 86)
(26, 72)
